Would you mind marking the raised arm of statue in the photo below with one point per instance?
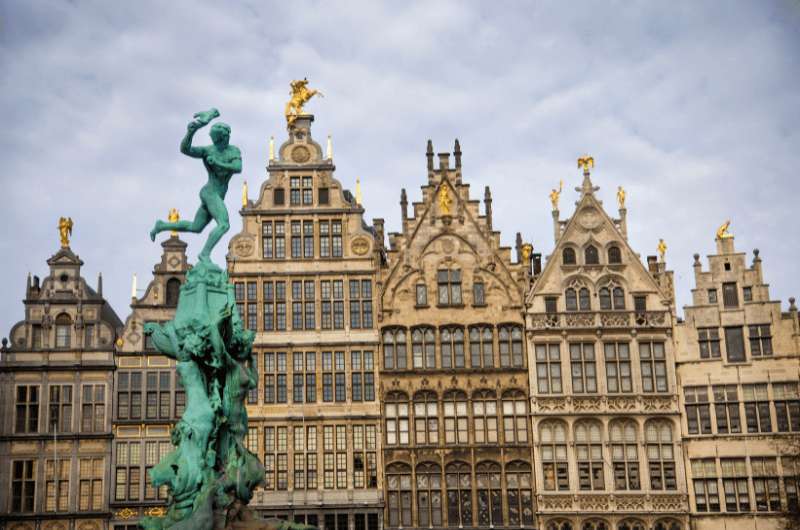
(186, 143)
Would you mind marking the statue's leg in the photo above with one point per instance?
(201, 219)
(216, 208)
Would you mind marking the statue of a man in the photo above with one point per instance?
(222, 161)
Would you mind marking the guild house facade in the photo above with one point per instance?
(428, 378)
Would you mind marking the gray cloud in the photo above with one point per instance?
(692, 107)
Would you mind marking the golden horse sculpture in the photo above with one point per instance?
(300, 95)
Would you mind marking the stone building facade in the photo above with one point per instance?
(148, 398)
(738, 366)
(454, 384)
(304, 271)
(604, 392)
(55, 404)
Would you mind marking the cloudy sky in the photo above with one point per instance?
(692, 106)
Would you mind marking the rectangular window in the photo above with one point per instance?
(706, 487)
(27, 409)
(294, 191)
(551, 305)
(698, 414)
(56, 485)
(449, 283)
(159, 386)
(756, 408)
(765, 484)
(280, 306)
(128, 471)
(548, 368)
(712, 296)
(269, 306)
(90, 484)
(279, 197)
(308, 239)
(36, 340)
(726, 408)
(338, 304)
(787, 406)
(363, 382)
(23, 486)
(618, 367)
(360, 304)
(296, 240)
(323, 196)
(708, 340)
(478, 294)
(760, 340)
(734, 344)
(324, 239)
(584, 372)
(421, 295)
(280, 378)
(336, 239)
(734, 484)
(129, 396)
(273, 240)
(340, 377)
(60, 419)
(269, 458)
(269, 377)
(280, 240)
(654, 366)
(308, 191)
(730, 295)
(311, 377)
(93, 408)
(747, 294)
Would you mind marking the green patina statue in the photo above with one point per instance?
(210, 475)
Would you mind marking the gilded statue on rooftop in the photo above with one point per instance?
(722, 231)
(662, 249)
(65, 230)
(444, 200)
(555, 194)
(621, 197)
(586, 162)
(300, 94)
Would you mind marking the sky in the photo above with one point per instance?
(691, 106)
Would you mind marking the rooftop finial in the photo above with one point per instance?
(300, 94)
(358, 191)
(133, 287)
(457, 153)
(173, 217)
(271, 148)
(429, 154)
(586, 163)
(244, 193)
(329, 154)
(662, 249)
(621, 197)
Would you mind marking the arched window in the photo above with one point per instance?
(605, 298)
(515, 417)
(511, 353)
(590, 255)
(426, 418)
(398, 482)
(553, 451)
(589, 456)
(456, 429)
(595, 524)
(63, 330)
(614, 254)
(660, 455)
(558, 525)
(583, 299)
(631, 524)
(423, 347)
(481, 350)
(458, 479)
(394, 349)
(568, 256)
(619, 298)
(396, 419)
(666, 524)
(484, 416)
(625, 456)
(452, 347)
(520, 495)
(429, 494)
(173, 291)
(490, 502)
(571, 299)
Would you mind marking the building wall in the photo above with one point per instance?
(304, 270)
(739, 368)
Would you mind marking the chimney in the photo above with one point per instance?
(487, 199)
(100, 283)
(652, 264)
(457, 153)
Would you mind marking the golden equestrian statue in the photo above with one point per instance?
(621, 197)
(444, 200)
(300, 95)
(722, 231)
(555, 194)
(586, 162)
(65, 230)
(662, 249)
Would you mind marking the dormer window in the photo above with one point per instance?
(63, 325)
(591, 257)
(449, 283)
(568, 256)
(614, 254)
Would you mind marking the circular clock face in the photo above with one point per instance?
(301, 154)
(360, 246)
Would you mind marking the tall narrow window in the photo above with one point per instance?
(421, 295)
(553, 450)
(27, 409)
(296, 240)
(56, 485)
(269, 458)
(481, 351)
(323, 196)
(280, 306)
(654, 366)
(308, 191)
(23, 486)
(568, 256)
(336, 239)
(449, 282)
(605, 298)
(760, 340)
(341, 394)
(36, 338)
(269, 377)
(591, 256)
(173, 292)
(452, 347)
(308, 239)
(294, 191)
(519, 486)
(93, 407)
(128, 472)
(589, 456)
(394, 349)
(624, 456)
(280, 378)
(282, 458)
(584, 301)
(398, 487)
(511, 349)
(618, 367)
(791, 482)
(756, 408)
(338, 304)
(455, 418)
(327, 376)
(548, 368)
(129, 395)
(426, 419)
(396, 408)
(63, 330)
(478, 294)
(279, 196)
(614, 254)
(726, 409)
(712, 296)
(268, 240)
(618, 298)
(298, 369)
(515, 417)
(458, 480)
(60, 408)
(584, 372)
(311, 377)
(734, 484)
(730, 295)
(660, 455)
(361, 304)
(571, 299)
(484, 416)
(423, 347)
(269, 306)
(765, 484)
(90, 485)
(787, 406)
(490, 500)
(698, 415)
(324, 239)
(429, 494)
(706, 487)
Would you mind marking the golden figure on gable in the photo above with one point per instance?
(65, 230)
(555, 194)
(621, 197)
(662, 249)
(173, 217)
(586, 162)
(722, 231)
(444, 200)
(300, 94)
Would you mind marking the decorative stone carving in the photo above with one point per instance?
(555, 502)
(630, 502)
(360, 246)
(550, 404)
(614, 320)
(244, 246)
(580, 320)
(593, 502)
(301, 154)
(663, 503)
(621, 403)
